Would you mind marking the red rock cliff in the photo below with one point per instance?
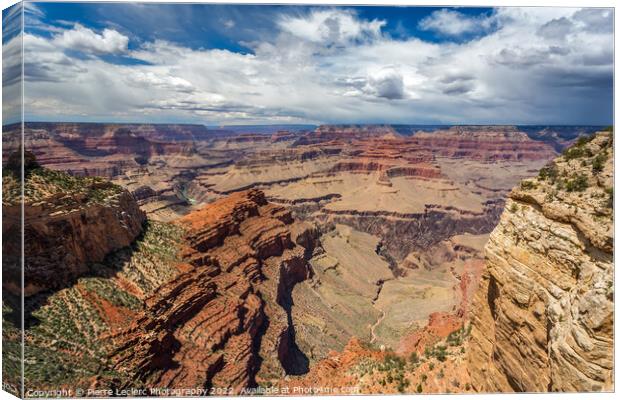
(225, 314)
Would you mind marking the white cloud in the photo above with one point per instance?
(557, 28)
(595, 19)
(86, 40)
(387, 83)
(333, 66)
(333, 26)
(454, 23)
(149, 79)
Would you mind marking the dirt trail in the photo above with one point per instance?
(380, 284)
(373, 337)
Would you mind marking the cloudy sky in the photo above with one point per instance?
(219, 64)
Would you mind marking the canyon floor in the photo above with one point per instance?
(348, 255)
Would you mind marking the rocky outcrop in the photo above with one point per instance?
(543, 316)
(225, 315)
(69, 223)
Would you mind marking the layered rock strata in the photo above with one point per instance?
(543, 317)
(490, 143)
(225, 314)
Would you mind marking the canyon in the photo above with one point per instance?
(371, 256)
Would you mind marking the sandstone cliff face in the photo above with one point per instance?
(69, 223)
(543, 316)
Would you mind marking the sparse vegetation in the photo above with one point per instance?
(438, 352)
(457, 337)
(599, 162)
(42, 183)
(551, 195)
(578, 183)
(584, 139)
(527, 185)
(610, 197)
(573, 153)
(550, 171)
(64, 331)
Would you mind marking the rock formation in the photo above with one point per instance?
(484, 143)
(288, 258)
(224, 315)
(543, 316)
(69, 223)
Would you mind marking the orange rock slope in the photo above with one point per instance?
(216, 323)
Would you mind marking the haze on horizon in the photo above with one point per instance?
(243, 64)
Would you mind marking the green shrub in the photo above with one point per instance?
(419, 388)
(440, 353)
(599, 162)
(456, 338)
(577, 184)
(584, 140)
(549, 171)
(392, 362)
(402, 385)
(576, 152)
(526, 185)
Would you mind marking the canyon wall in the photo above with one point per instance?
(543, 316)
(69, 222)
(226, 316)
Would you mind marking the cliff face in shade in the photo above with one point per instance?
(543, 315)
(69, 223)
(225, 315)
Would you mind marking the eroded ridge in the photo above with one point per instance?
(543, 318)
(216, 322)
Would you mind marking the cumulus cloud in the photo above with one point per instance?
(86, 40)
(164, 81)
(332, 26)
(331, 65)
(453, 23)
(598, 20)
(557, 28)
(387, 83)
